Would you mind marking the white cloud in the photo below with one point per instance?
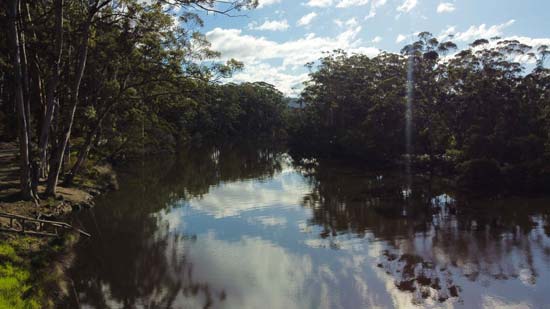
(375, 4)
(306, 19)
(271, 221)
(350, 3)
(290, 83)
(378, 3)
(264, 3)
(342, 3)
(377, 39)
(319, 3)
(271, 25)
(350, 23)
(400, 38)
(447, 33)
(445, 7)
(477, 32)
(370, 15)
(255, 52)
(407, 6)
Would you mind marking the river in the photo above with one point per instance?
(249, 227)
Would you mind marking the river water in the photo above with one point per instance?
(249, 227)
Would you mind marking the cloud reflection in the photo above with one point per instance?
(252, 273)
(231, 199)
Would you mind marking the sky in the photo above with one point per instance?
(277, 39)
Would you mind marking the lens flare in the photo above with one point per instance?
(409, 117)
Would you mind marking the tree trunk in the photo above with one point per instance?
(58, 155)
(82, 155)
(51, 89)
(15, 49)
(24, 71)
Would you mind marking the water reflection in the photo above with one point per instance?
(248, 227)
(435, 242)
(133, 258)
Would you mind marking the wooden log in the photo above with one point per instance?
(55, 224)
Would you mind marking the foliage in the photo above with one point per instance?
(477, 110)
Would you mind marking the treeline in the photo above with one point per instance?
(477, 114)
(115, 78)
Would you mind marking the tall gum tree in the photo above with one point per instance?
(25, 177)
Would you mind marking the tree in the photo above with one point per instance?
(16, 51)
(476, 113)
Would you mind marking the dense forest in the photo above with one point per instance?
(476, 112)
(111, 80)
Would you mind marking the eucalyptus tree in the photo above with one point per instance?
(429, 130)
(48, 78)
(355, 105)
(20, 95)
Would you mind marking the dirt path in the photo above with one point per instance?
(9, 189)
(9, 170)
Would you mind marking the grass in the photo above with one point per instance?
(31, 272)
(14, 285)
(15, 278)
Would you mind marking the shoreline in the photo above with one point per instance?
(33, 270)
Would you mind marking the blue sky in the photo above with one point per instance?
(277, 39)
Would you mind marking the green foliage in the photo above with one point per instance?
(7, 252)
(354, 105)
(477, 110)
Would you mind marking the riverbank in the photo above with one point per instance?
(33, 269)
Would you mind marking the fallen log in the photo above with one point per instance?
(40, 223)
